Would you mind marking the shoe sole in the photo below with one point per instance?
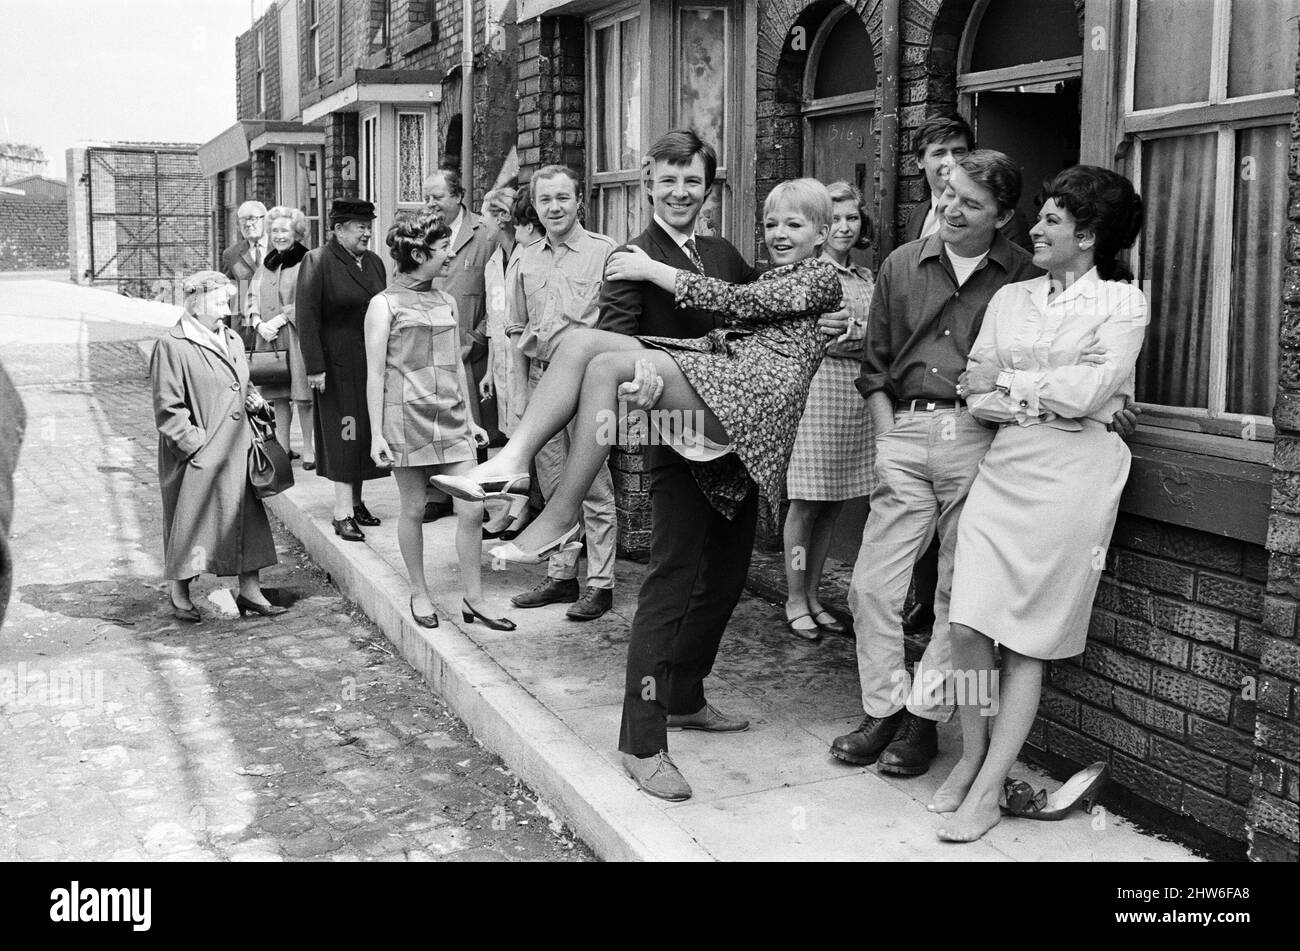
(651, 792)
(542, 604)
(903, 770)
(855, 760)
(707, 729)
(584, 617)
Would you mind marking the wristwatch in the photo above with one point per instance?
(1004, 381)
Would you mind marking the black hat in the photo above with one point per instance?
(350, 209)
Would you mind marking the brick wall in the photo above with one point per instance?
(1165, 690)
(341, 131)
(1272, 819)
(33, 233)
(261, 186)
(551, 94)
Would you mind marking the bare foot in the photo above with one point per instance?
(949, 796)
(971, 821)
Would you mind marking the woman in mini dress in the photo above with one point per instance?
(418, 396)
(834, 452)
(1033, 536)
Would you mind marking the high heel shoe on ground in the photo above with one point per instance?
(829, 622)
(569, 541)
(471, 613)
(1081, 789)
(424, 620)
(479, 490)
(804, 632)
(190, 614)
(252, 607)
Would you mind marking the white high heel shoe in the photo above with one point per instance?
(479, 490)
(569, 541)
(506, 517)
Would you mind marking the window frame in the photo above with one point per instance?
(426, 158)
(313, 39)
(259, 79)
(728, 157)
(1224, 116)
(598, 182)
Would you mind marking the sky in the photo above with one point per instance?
(126, 70)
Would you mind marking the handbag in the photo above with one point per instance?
(269, 470)
(268, 367)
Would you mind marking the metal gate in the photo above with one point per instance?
(150, 218)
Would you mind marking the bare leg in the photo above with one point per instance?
(971, 650)
(250, 588)
(306, 420)
(469, 538)
(597, 411)
(342, 500)
(410, 532)
(797, 541)
(283, 417)
(819, 546)
(1021, 688)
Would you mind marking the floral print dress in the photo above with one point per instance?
(754, 372)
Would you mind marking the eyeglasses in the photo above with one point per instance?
(247, 219)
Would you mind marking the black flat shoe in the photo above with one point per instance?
(471, 613)
(361, 515)
(293, 455)
(308, 466)
(190, 614)
(347, 529)
(424, 620)
(252, 607)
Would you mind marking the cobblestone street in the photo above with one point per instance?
(127, 736)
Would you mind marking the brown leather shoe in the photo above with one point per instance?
(658, 776)
(862, 746)
(593, 603)
(707, 718)
(550, 591)
(913, 748)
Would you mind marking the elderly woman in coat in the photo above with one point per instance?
(212, 521)
(270, 310)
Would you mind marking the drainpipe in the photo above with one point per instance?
(467, 100)
(891, 49)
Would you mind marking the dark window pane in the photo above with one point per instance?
(605, 119)
(1015, 32)
(847, 62)
(1173, 53)
(1178, 188)
(1262, 46)
(1258, 232)
(630, 101)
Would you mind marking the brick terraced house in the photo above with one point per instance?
(1190, 686)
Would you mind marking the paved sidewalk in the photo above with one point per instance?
(126, 735)
(548, 698)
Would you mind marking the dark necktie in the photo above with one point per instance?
(689, 248)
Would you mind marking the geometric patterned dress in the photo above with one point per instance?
(426, 414)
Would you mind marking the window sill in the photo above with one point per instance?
(1214, 484)
(416, 39)
(378, 59)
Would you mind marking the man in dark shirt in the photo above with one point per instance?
(926, 312)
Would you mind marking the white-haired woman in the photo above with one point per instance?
(271, 313)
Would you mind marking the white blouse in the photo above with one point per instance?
(1041, 343)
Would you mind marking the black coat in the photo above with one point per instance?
(332, 297)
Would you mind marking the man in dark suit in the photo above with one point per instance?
(698, 559)
(941, 142)
(240, 261)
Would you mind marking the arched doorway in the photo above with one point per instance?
(1018, 78)
(839, 103)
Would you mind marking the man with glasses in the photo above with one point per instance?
(240, 261)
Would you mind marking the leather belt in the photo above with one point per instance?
(926, 405)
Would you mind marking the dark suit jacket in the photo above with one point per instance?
(473, 247)
(636, 307)
(1016, 230)
(331, 301)
(237, 264)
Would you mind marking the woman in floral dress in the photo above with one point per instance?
(730, 400)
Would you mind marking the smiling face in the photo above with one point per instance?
(678, 192)
(970, 215)
(438, 196)
(353, 236)
(282, 234)
(940, 158)
(790, 235)
(1059, 247)
(556, 200)
(846, 227)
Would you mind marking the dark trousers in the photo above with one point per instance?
(698, 564)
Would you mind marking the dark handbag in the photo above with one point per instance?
(269, 469)
(268, 367)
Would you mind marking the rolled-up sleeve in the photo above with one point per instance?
(876, 348)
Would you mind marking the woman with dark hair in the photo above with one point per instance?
(1032, 539)
(834, 449)
(417, 395)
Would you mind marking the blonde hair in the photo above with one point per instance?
(807, 196)
(295, 216)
